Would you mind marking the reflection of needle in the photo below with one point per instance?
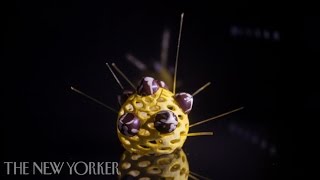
(164, 48)
(136, 62)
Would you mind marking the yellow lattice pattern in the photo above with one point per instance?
(149, 141)
(172, 166)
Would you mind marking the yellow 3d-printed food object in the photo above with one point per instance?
(153, 120)
(148, 140)
(172, 166)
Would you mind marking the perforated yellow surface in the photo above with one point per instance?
(172, 166)
(149, 141)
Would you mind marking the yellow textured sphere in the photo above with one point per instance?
(172, 166)
(149, 141)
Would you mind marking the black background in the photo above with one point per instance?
(50, 46)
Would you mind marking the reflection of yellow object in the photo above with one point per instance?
(150, 141)
(172, 166)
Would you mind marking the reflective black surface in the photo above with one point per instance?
(54, 45)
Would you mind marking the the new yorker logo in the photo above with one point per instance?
(57, 168)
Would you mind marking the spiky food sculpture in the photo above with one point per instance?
(152, 119)
(168, 166)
